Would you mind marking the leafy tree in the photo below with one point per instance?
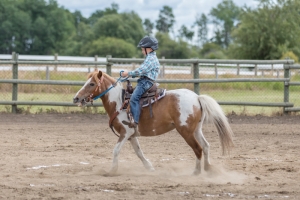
(126, 26)
(202, 30)
(100, 13)
(268, 31)
(95, 16)
(14, 27)
(109, 46)
(78, 18)
(184, 32)
(77, 41)
(170, 48)
(34, 27)
(165, 20)
(224, 17)
(212, 51)
(148, 25)
(290, 55)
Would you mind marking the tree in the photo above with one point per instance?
(165, 20)
(202, 30)
(15, 26)
(268, 31)
(34, 27)
(100, 13)
(224, 17)
(126, 26)
(109, 46)
(212, 51)
(184, 32)
(78, 18)
(148, 25)
(170, 48)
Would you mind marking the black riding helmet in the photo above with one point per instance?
(148, 42)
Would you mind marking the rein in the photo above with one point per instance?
(111, 87)
(106, 91)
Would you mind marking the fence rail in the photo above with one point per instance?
(195, 64)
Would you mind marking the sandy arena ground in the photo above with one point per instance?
(65, 156)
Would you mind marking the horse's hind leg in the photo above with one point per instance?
(193, 143)
(204, 144)
(136, 146)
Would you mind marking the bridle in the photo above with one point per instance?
(91, 98)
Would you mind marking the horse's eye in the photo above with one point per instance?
(92, 84)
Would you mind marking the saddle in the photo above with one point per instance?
(148, 98)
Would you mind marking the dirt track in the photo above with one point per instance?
(64, 156)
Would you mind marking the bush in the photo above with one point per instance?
(290, 55)
(110, 46)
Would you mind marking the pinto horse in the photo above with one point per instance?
(180, 109)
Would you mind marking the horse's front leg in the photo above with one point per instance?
(136, 146)
(116, 151)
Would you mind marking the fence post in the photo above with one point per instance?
(55, 59)
(286, 84)
(255, 70)
(216, 71)
(238, 70)
(162, 70)
(96, 60)
(133, 64)
(272, 69)
(47, 73)
(196, 76)
(15, 85)
(108, 65)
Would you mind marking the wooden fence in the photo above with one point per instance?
(288, 65)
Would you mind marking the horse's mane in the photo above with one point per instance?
(94, 76)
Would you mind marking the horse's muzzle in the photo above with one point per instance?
(79, 102)
(75, 100)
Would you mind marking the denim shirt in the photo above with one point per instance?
(149, 68)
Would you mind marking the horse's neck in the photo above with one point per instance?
(112, 101)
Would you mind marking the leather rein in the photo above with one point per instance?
(116, 113)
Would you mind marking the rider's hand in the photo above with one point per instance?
(124, 74)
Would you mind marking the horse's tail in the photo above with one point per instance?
(212, 111)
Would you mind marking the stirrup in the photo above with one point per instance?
(130, 124)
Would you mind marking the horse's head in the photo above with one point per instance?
(92, 88)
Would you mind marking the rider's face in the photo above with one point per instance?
(144, 51)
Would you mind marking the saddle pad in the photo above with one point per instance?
(160, 95)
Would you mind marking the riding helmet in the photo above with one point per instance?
(148, 42)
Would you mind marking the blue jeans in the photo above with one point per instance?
(142, 86)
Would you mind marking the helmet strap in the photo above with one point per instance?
(149, 52)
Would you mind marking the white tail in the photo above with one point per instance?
(213, 112)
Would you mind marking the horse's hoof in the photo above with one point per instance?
(151, 169)
(196, 173)
(110, 174)
(207, 168)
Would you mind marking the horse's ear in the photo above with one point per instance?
(100, 76)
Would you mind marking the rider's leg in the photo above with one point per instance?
(142, 86)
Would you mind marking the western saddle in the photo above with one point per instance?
(149, 97)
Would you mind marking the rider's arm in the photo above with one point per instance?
(143, 70)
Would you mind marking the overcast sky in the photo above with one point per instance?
(185, 11)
